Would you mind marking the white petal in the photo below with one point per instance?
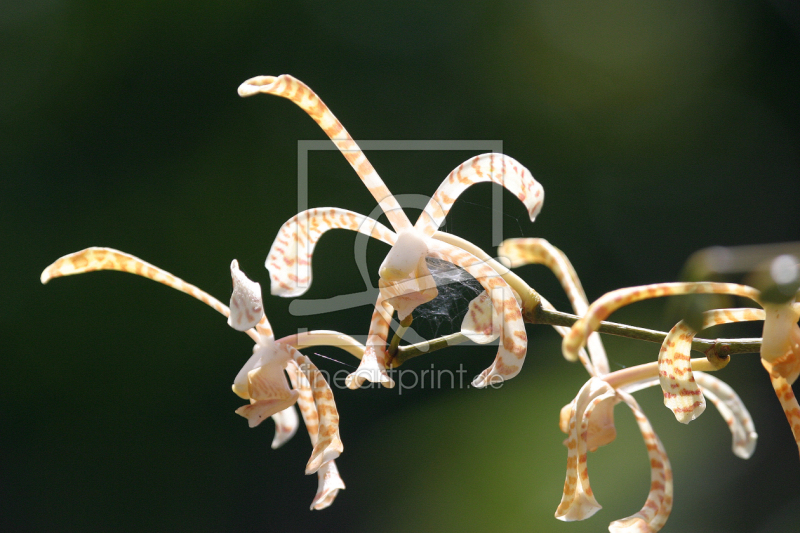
(247, 307)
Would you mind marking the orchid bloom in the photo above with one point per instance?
(780, 349)
(589, 419)
(262, 379)
(405, 280)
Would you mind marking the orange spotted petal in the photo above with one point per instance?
(298, 92)
(496, 168)
(538, 251)
(733, 411)
(578, 501)
(657, 507)
(328, 486)
(289, 258)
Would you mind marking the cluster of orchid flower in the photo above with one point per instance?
(500, 311)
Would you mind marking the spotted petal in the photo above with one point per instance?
(733, 411)
(299, 93)
(247, 307)
(610, 302)
(657, 507)
(538, 251)
(681, 393)
(286, 423)
(289, 258)
(496, 168)
(514, 344)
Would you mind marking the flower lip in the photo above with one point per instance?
(404, 257)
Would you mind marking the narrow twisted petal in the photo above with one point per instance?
(657, 507)
(610, 302)
(92, 259)
(782, 375)
(538, 251)
(373, 364)
(289, 258)
(681, 393)
(286, 424)
(328, 445)
(496, 168)
(780, 324)
(247, 307)
(514, 344)
(328, 486)
(329, 482)
(733, 411)
(578, 501)
(298, 92)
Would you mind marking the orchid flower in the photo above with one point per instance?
(780, 349)
(261, 380)
(405, 280)
(589, 419)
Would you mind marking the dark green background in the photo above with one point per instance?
(656, 129)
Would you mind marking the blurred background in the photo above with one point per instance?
(656, 129)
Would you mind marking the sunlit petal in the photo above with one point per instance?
(289, 258)
(610, 302)
(496, 168)
(286, 424)
(299, 93)
(373, 364)
(538, 251)
(733, 411)
(247, 308)
(329, 485)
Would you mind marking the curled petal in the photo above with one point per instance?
(577, 501)
(496, 168)
(286, 423)
(681, 393)
(480, 323)
(783, 389)
(610, 302)
(299, 93)
(329, 485)
(289, 258)
(328, 445)
(267, 387)
(538, 251)
(514, 341)
(733, 411)
(241, 384)
(657, 507)
(247, 307)
(373, 364)
(408, 250)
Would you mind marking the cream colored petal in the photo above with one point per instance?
(373, 364)
(538, 251)
(409, 248)
(496, 168)
(241, 385)
(733, 411)
(92, 259)
(481, 324)
(289, 257)
(247, 308)
(783, 389)
(259, 410)
(780, 321)
(681, 393)
(329, 485)
(514, 344)
(298, 92)
(286, 424)
(328, 445)
(657, 507)
(578, 501)
(610, 302)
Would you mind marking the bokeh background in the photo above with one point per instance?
(656, 128)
